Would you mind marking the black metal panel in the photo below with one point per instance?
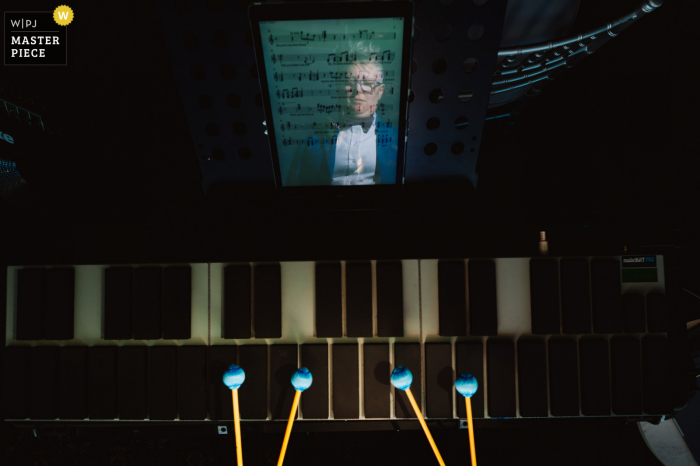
(606, 293)
(470, 359)
(657, 312)
(452, 298)
(626, 375)
(408, 355)
(237, 302)
(30, 304)
(133, 382)
(283, 363)
(43, 387)
(377, 380)
(162, 383)
(656, 373)
(563, 376)
(439, 380)
(177, 303)
(633, 313)
(220, 400)
(102, 382)
(483, 316)
(532, 377)
(59, 303)
(358, 305)
(73, 382)
(16, 368)
(148, 303)
(329, 301)
(595, 376)
(544, 296)
(192, 382)
(500, 357)
(346, 382)
(314, 403)
(268, 301)
(252, 395)
(575, 296)
(390, 299)
(118, 303)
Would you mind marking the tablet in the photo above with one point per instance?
(334, 80)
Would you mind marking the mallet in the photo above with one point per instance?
(233, 379)
(467, 385)
(401, 378)
(301, 380)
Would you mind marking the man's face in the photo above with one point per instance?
(362, 90)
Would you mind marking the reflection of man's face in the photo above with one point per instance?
(363, 92)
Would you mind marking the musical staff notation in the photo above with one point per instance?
(382, 141)
(329, 125)
(335, 75)
(295, 93)
(300, 37)
(340, 58)
(295, 109)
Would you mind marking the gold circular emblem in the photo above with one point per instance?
(63, 15)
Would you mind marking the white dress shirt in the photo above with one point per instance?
(355, 156)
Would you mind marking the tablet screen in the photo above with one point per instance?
(334, 89)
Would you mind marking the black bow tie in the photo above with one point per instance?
(365, 123)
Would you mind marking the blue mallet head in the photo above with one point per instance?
(466, 384)
(401, 378)
(301, 380)
(234, 377)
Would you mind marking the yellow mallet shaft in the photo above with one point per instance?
(424, 426)
(237, 427)
(472, 448)
(289, 427)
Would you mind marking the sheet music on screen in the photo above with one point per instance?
(334, 91)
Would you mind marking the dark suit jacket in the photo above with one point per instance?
(314, 166)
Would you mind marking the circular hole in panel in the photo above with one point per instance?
(211, 129)
(204, 101)
(258, 100)
(248, 37)
(430, 148)
(479, 2)
(470, 65)
(414, 66)
(471, 150)
(221, 39)
(217, 154)
(244, 153)
(475, 32)
(461, 122)
(227, 71)
(411, 96)
(443, 32)
(223, 429)
(233, 101)
(197, 72)
(433, 123)
(239, 128)
(254, 70)
(436, 95)
(473, 138)
(457, 148)
(439, 66)
(189, 40)
(201, 146)
(416, 33)
(215, 6)
(182, 7)
(465, 95)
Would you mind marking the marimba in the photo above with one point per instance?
(546, 337)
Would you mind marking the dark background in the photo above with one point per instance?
(604, 157)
